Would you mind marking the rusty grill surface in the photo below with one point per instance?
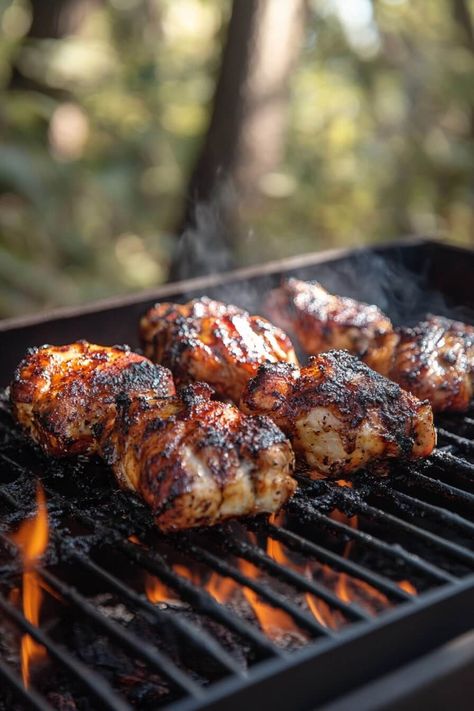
(338, 558)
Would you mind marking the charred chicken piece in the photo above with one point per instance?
(321, 321)
(209, 341)
(340, 415)
(433, 360)
(61, 393)
(196, 461)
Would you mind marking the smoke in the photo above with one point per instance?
(387, 281)
(399, 283)
(396, 279)
(205, 247)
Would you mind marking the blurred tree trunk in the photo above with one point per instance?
(58, 18)
(246, 134)
(52, 19)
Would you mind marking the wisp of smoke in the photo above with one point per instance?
(398, 288)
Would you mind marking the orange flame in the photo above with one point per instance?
(321, 611)
(272, 621)
(155, 590)
(408, 587)
(185, 572)
(32, 539)
(319, 608)
(220, 588)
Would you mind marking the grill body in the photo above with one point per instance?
(418, 525)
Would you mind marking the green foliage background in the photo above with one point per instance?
(380, 139)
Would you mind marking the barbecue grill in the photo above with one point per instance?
(360, 595)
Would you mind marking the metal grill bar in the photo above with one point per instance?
(448, 460)
(258, 557)
(394, 551)
(464, 444)
(141, 649)
(138, 647)
(117, 519)
(195, 635)
(440, 487)
(275, 599)
(301, 545)
(215, 650)
(437, 513)
(204, 602)
(160, 662)
(95, 684)
(378, 514)
(449, 547)
(29, 696)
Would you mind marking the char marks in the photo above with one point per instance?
(322, 321)
(206, 340)
(340, 415)
(433, 360)
(195, 461)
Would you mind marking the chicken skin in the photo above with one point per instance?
(206, 340)
(433, 360)
(193, 460)
(61, 393)
(321, 321)
(196, 461)
(340, 415)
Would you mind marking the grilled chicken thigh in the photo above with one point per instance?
(433, 360)
(340, 415)
(194, 461)
(321, 321)
(61, 393)
(213, 342)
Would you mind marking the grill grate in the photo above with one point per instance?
(414, 525)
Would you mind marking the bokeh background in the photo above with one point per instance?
(142, 140)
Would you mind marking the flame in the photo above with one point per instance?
(321, 611)
(272, 620)
(351, 589)
(156, 591)
(32, 539)
(277, 519)
(408, 587)
(319, 608)
(220, 588)
(185, 572)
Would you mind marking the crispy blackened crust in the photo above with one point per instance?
(322, 321)
(194, 461)
(433, 360)
(197, 461)
(206, 340)
(59, 394)
(337, 395)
